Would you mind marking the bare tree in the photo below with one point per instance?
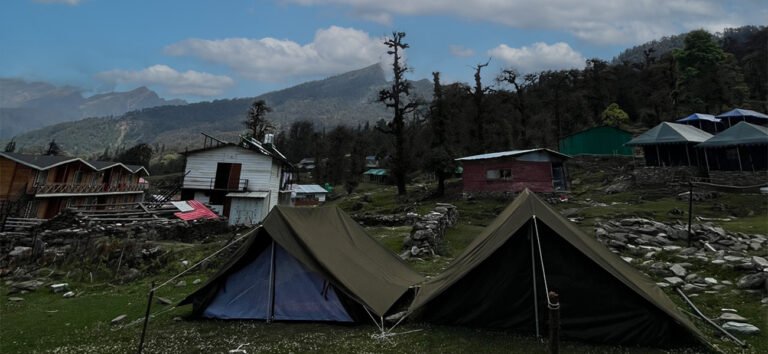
(520, 83)
(257, 121)
(478, 96)
(396, 97)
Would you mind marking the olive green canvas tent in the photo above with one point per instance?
(306, 264)
(502, 278)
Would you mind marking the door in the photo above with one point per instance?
(246, 211)
(227, 176)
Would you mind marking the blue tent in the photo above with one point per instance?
(737, 115)
(307, 264)
(705, 122)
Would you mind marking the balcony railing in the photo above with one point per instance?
(242, 185)
(53, 188)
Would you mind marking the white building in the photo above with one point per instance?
(240, 181)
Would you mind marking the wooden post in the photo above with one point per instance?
(554, 322)
(146, 317)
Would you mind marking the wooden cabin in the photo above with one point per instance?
(41, 186)
(540, 170)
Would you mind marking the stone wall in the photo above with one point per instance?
(739, 178)
(427, 237)
(70, 235)
(662, 175)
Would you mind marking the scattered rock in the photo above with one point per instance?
(59, 288)
(728, 316)
(119, 319)
(197, 281)
(163, 301)
(181, 283)
(741, 328)
(710, 281)
(69, 294)
(15, 299)
(678, 270)
(674, 281)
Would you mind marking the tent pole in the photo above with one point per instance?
(535, 294)
(271, 308)
(706, 160)
(687, 155)
(658, 157)
(738, 156)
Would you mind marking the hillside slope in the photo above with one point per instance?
(349, 99)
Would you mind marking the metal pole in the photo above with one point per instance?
(535, 293)
(271, 308)
(554, 322)
(146, 317)
(705, 318)
(738, 155)
(690, 210)
(687, 155)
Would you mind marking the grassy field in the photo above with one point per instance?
(46, 322)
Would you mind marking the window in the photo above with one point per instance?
(503, 174)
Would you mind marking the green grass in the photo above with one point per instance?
(46, 322)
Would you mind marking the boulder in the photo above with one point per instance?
(760, 262)
(29, 285)
(740, 328)
(752, 281)
(20, 251)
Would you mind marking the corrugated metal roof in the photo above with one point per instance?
(670, 133)
(309, 188)
(247, 195)
(742, 133)
(377, 172)
(510, 153)
(44, 162)
(250, 144)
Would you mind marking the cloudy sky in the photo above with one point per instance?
(201, 50)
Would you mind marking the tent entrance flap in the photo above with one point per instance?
(276, 286)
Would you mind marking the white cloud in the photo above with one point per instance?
(66, 2)
(178, 83)
(461, 51)
(539, 56)
(333, 50)
(597, 21)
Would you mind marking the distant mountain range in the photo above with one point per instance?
(25, 106)
(349, 98)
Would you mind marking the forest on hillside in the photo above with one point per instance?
(709, 74)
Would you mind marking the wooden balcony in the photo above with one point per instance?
(87, 189)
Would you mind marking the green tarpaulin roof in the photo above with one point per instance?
(330, 243)
(603, 299)
(670, 133)
(742, 133)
